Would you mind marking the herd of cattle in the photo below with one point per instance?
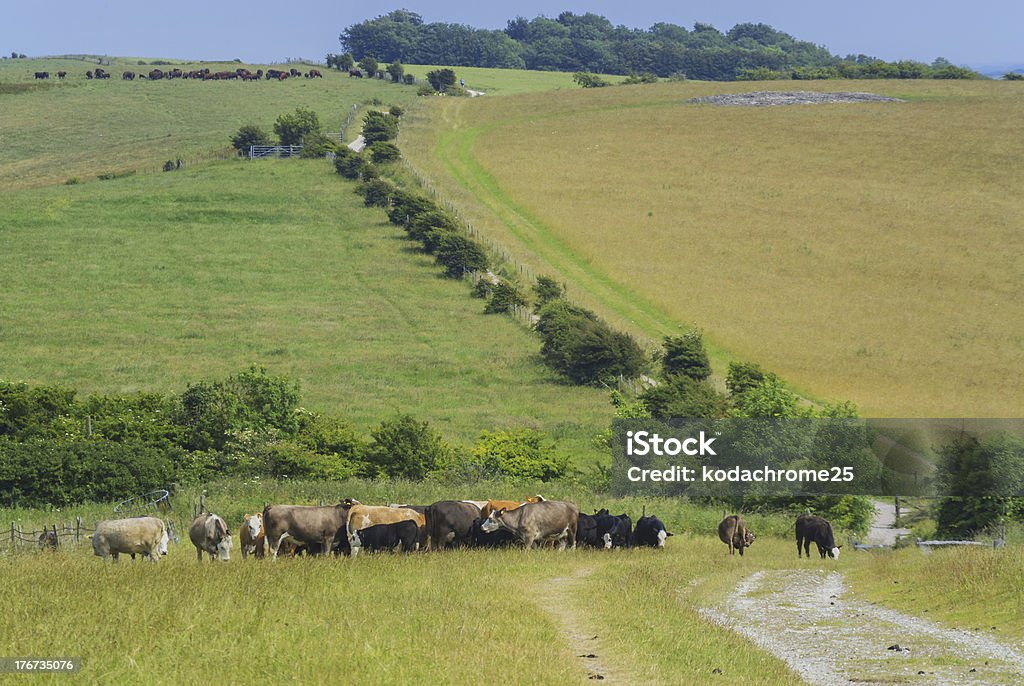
(201, 74)
(350, 527)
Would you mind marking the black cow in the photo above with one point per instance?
(61, 75)
(42, 74)
(450, 523)
(614, 531)
(650, 532)
(386, 537)
(586, 531)
(127, 75)
(356, 73)
(498, 539)
(810, 528)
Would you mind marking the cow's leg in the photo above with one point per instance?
(799, 542)
(113, 556)
(274, 547)
(199, 554)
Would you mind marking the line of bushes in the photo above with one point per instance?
(57, 449)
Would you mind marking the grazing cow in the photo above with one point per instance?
(811, 528)
(88, 74)
(495, 539)
(614, 531)
(650, 532)
(42, 74)
(356, 73)
(547, 520)
(294, 72)
(210, 534)
(364, 516)
(450, 524)
(101, 73)
(305, 524)
(145, 535)
(252, 536)
(61, 75)
(48, 539)
(156, 74)
(387, 537)
(314, 74)
(733, 532)
(127, 76)
(586, 531)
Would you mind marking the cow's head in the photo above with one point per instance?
(835, 552)
(493, 521)
(748, 538)
(355, 543)
(222, 538)
(254, 523)
(161, 549)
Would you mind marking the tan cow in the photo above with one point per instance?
(364, 516)
(547, 520)
(145, 535)
(209, 533)
(491, 505)
(314, 527)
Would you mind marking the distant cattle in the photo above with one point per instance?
(386, 537)
(314, 74)
(42, 74)
(209, 534)
(251, 536)
(101, 73)
(127, 76)
(356, 73)
(650, 532)
(733, 532)
(810, 528)
(294, 72)
(61, 75)
(548, 520)
(614, 531)
(305, 524)
(88, 74)
(156, 74)
(450, 524)
(139, 535)
(48, 540)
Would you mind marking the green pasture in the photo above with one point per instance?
(152, 282)
(862, 252)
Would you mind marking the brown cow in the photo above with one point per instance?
(733, 531)
(547, 520)
(252, 536)
(450, 523)
(313, 526)
(61, 75)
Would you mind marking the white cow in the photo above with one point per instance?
(138, 535)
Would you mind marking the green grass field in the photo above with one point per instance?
(147, 283)
(863, 252)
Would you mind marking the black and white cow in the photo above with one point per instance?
(650, 532)
(810, 528)
(386, 537)
(614, 531)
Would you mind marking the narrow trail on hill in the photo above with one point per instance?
(807, 619)
(883, 529)
(583, 640)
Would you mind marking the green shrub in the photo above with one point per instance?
(409, 80)
(396, 71)
(292, 128)
(685, 355)
(585, 349)
(441, 79)
(405, 448)
(426, 89)
(72, 181)
(520, 454)
(249, 135)
(424, 223)
(349, 163)
(546, 289)
(30, 412)
(376, 192)
(383, 152)
(684, 396)
(482, 288)
(587, 80)
(406, 206)
(379, 126)
(316, 145)
(396, 111)
(504, 297)
(459, 255)
(744, 376)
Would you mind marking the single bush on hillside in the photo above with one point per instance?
(250, 135)
(520, 454)
(584, 348)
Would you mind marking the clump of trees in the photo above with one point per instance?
(249, 135)
(590, 43)
(57, 449)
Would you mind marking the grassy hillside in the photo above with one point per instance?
(864, 252)
(149, 282)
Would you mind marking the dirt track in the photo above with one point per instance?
(807, 619)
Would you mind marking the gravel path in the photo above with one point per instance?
(776, 98)
(883, 531)
(805, 618)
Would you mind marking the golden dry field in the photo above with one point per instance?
(871, 252)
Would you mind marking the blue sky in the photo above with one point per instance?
(978, 33)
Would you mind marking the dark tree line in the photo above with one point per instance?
(590, 43)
